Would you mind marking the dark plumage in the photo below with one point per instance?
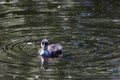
(48, 51)
(55, 50)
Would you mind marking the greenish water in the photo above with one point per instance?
(88, 30)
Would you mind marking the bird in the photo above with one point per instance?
(48, 51)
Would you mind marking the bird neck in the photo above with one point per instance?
(45, 48)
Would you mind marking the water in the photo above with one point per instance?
(88, 30)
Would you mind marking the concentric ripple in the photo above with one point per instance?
(86, 29)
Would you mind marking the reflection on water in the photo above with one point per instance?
(87, 29)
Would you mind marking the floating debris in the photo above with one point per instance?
(66, 19)
(36, 76)
(29, 43)
(59, 7)
(69, 76)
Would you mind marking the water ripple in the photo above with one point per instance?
(90, 44)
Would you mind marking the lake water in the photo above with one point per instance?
(88, 30)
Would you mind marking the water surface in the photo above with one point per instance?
(88, 30)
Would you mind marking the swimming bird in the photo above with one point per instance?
(48, 51)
